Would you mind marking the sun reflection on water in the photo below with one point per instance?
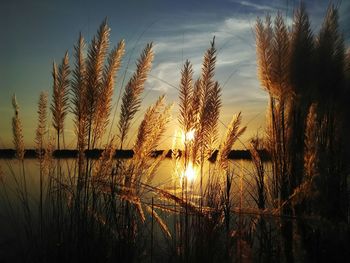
(190, 173)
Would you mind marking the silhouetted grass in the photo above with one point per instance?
(105, 204)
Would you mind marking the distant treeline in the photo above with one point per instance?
(96, 153)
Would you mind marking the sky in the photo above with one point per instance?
(36, 33)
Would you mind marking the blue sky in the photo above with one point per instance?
(35, 33)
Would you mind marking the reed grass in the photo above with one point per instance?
(112, 209)
(59, 106)
(131, 98)
(295, 68)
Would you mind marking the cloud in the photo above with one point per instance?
(163, 76)
(235, 68)
(254, 5)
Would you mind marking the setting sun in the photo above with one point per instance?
(188, 136)
(190, 173)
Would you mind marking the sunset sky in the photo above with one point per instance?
(36, 33)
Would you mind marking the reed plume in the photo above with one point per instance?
(208, 68)
(17, 131)
(59, 106)
(302, 85)
(104, 166)
(152, 128)
(332, 118)
(94, 77)
(279, 78)
(234, 131)
(131, 98)
(41, 128)
(149, 134)
(301, 48)
(20, 151)
(264, 51)
(210, 94)
(78, 91)
(196, 101)
(207, 104)
(106, 90)
(212, 111)
(186, 116)
(330, 56)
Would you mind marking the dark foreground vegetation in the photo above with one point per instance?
(294, 208)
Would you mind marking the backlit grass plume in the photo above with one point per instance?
(152, 128)
(131, 99)
(149, 134)
(17, 131)
(210, 103)
(212, 112)
(234, 131)
(41, 128)
(264, 35)
(104, 102)
(59, 105)
(94, 77)
(78, 91)
(186, 116)
(206, 105)
(279, 75)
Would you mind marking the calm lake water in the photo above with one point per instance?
(242, 185)
(243, 172)
(11, 171)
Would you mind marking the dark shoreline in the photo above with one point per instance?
(123, 154)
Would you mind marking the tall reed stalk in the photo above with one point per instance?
(40, 148)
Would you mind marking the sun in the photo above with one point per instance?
(190, 173)
(187, 136)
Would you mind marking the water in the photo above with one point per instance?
(166, 176)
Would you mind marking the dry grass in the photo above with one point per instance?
(131, 98)
(105, 210)
(17, 131)
(59, 105)
(78, 100)
(42, 125)
(302, 74)
(234, 131)
(104, 102)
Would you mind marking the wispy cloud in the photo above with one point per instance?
(163, 77)
(235, 60)
(254, 5)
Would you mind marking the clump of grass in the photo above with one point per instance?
(303, 74)
(105, 209)
(200, 105)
